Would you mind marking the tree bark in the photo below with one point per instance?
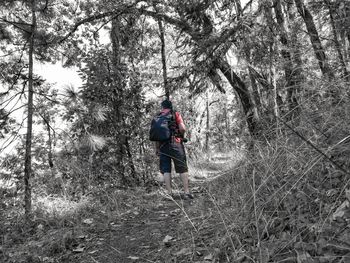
(131, 162)
(28, 153)
(314, 38)
(115, 39)
(337, 42)
(256, 94)
(274, 97)
(292, 79)
(49, 142)
(242, 92)
(163, 55)
(124, 154)
(256, 100)
(118, 118)
(207, 126)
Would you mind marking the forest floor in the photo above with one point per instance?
(142, 225)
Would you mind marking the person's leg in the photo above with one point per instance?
(180, 162)
(184, 177)
(167, 181)
(165, 166)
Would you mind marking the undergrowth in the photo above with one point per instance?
(288, 199)
(285, 198)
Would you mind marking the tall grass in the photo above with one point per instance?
(287, 197)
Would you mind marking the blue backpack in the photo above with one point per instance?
(163, 127)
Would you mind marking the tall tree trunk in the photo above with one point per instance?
(274, 97)
(254, 87)
(292, 79)
(115, 39)
(163, 55)
(336, 41)
(28, 153)
(164, 67)
(131, 160)
(314, 38)
(119, 135)
(256, 95)
(348, 45)
(344, 44)
(207, 127)
(49, 142)
(49, 145)
(46, 119)
(296, 49)
(124, 155)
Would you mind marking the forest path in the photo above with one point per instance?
(158, 229)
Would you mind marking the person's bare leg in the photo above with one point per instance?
(167, 180)
(184, 177)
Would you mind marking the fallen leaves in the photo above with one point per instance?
(184, 252)
(209, 257)
(341, 210)
(79, 249)
(88, 221)
(167, 240)
(133, 258)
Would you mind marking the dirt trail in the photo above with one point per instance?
(135, 225)
(157, 229)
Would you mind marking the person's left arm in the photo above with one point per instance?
(157, 146)
(180, 123)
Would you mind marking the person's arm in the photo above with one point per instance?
(157, 145)
(182, 129)
(180, 124)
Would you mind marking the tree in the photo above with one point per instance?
(292, 74)
(341, 61)
(314, 38)
(19, 27)
(28, 154)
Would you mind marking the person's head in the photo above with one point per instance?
(166, 104)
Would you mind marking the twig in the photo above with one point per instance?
(94, 260)
(116, 250)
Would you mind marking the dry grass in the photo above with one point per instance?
(285, 200)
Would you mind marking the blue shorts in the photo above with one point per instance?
(172, 151)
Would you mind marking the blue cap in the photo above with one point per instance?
(166, 104)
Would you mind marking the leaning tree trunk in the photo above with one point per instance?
(242, 91)
(314, 38)
(28, 154)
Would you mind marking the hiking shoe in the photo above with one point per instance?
(188, 196)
